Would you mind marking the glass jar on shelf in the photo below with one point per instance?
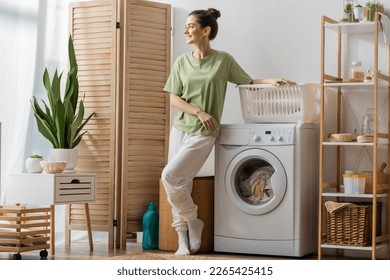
(356, 73)
(368, 122)
(368, 75)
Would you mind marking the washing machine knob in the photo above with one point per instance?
(256, 138)
(280, 138)
(271, 138)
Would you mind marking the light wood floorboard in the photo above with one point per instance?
(79, 250)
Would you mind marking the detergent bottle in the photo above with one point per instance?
(150, 228)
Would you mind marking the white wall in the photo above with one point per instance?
(279, 38)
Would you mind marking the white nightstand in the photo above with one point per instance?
(60, 188)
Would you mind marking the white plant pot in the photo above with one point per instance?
(33, 165)
(69, 155)
(358, 11)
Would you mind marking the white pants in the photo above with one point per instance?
(187, 154)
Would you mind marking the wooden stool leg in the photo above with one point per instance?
(89, 228)
(52, 230)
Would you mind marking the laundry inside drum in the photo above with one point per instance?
(253, 181)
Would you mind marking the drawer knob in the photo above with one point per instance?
(75, 181)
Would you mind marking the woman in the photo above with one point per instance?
(197, 86)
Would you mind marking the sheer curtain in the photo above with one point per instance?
(34, 35)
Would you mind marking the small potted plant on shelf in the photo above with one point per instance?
(348, 10)
(33, 164)
(358, 12)
(61, 120)
(371, 8)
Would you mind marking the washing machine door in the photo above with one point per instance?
(256, 181)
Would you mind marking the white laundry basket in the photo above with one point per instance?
(270, 104)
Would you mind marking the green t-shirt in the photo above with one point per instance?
(203, 83)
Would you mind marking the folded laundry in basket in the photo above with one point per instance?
(332, 206)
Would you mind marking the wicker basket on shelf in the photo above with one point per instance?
(352, 225)
(53, 167)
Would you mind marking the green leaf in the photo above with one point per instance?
(59, 121)
(47, 84)
(84, 123)
(46, 117)
(49, 114)
(46, 80)
(46, 132)
(72, 56)
(71, 127)
(78, 139)
(73, 90)
(43, 123)
(69, 95)
(56, 87)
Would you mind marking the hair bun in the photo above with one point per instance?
(214, 12)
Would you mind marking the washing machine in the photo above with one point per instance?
(265, 189)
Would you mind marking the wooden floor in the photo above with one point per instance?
(79, 250)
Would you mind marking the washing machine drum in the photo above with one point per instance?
(256, 181)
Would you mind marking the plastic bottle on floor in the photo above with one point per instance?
(150, 228)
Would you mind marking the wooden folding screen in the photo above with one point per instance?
(93, 27)
(145, 110)
(123, 65)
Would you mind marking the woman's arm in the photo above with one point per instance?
(207, 120)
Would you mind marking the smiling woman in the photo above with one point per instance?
(197, 87)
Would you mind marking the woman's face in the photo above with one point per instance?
(194, 33)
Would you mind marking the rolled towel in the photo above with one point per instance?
(332, 206)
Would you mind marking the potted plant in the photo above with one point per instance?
(33, 164)
(358, 12)
(371, 8)
(348, 10)
(61, 120)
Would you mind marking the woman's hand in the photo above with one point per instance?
(207, 120)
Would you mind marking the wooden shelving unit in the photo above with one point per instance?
(333, 84)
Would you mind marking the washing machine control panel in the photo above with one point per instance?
(272, 136)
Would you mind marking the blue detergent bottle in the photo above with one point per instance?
(150, 228)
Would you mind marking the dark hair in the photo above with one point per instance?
(208, 18)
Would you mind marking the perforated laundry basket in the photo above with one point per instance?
(270, 104)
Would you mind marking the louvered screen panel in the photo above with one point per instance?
(145, 116)
(93, 27)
